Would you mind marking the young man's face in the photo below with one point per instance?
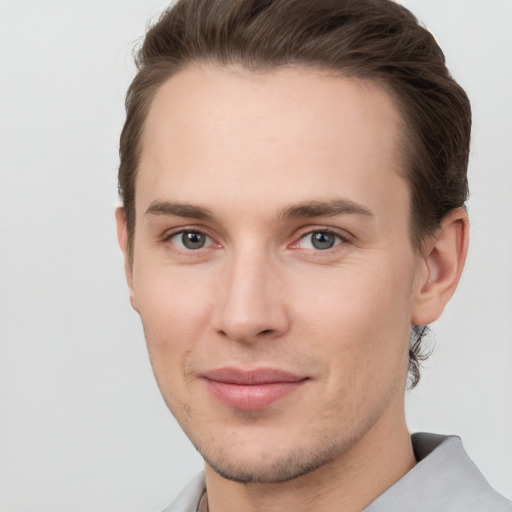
(272, 265)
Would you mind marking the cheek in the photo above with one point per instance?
(174, 308)
(361, 318)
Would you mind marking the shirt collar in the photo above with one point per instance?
(445, 478)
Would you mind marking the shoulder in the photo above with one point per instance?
(445, 479)
(188, 499)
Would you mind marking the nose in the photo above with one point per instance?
(251, 301)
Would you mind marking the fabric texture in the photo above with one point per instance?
(444, 480)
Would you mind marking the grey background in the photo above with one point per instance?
(82, 424)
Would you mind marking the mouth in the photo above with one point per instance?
(251, 390)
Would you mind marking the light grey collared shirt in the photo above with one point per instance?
(444, 480)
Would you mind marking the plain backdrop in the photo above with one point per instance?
(82, 425)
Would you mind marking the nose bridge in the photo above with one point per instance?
(250, 304)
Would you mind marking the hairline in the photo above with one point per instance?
(406, 137)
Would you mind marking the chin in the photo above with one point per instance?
(261, 467)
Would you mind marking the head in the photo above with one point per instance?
(358, 90)
(379, 41)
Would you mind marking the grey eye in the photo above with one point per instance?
(320, 240)
(191, 240)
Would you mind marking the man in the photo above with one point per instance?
(293, 177)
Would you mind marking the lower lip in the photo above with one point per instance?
(252, 397)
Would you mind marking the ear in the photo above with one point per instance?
(122, 238)
(443, 260)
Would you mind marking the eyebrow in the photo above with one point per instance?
(308, 209)
(174, 209)
(324, 209)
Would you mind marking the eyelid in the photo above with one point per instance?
(344, 235)
(207, 241)
(171, 233)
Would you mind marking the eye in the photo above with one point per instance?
(190, 240)
(319, 240)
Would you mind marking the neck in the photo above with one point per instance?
(348, 483)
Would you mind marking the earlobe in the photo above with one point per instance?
(122, 238)
(444, 261)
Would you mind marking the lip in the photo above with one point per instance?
(251, 390)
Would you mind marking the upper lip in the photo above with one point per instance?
(232, 375)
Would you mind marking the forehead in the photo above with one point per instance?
(297, 131)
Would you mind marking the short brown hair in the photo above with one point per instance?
(370, 39)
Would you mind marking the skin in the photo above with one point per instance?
(246, 149)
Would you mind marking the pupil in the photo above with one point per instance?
(193, 240)
(322, 240)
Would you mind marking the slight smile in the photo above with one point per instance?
(251, 390)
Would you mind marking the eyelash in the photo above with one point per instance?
(168, 239)
(341, 239)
